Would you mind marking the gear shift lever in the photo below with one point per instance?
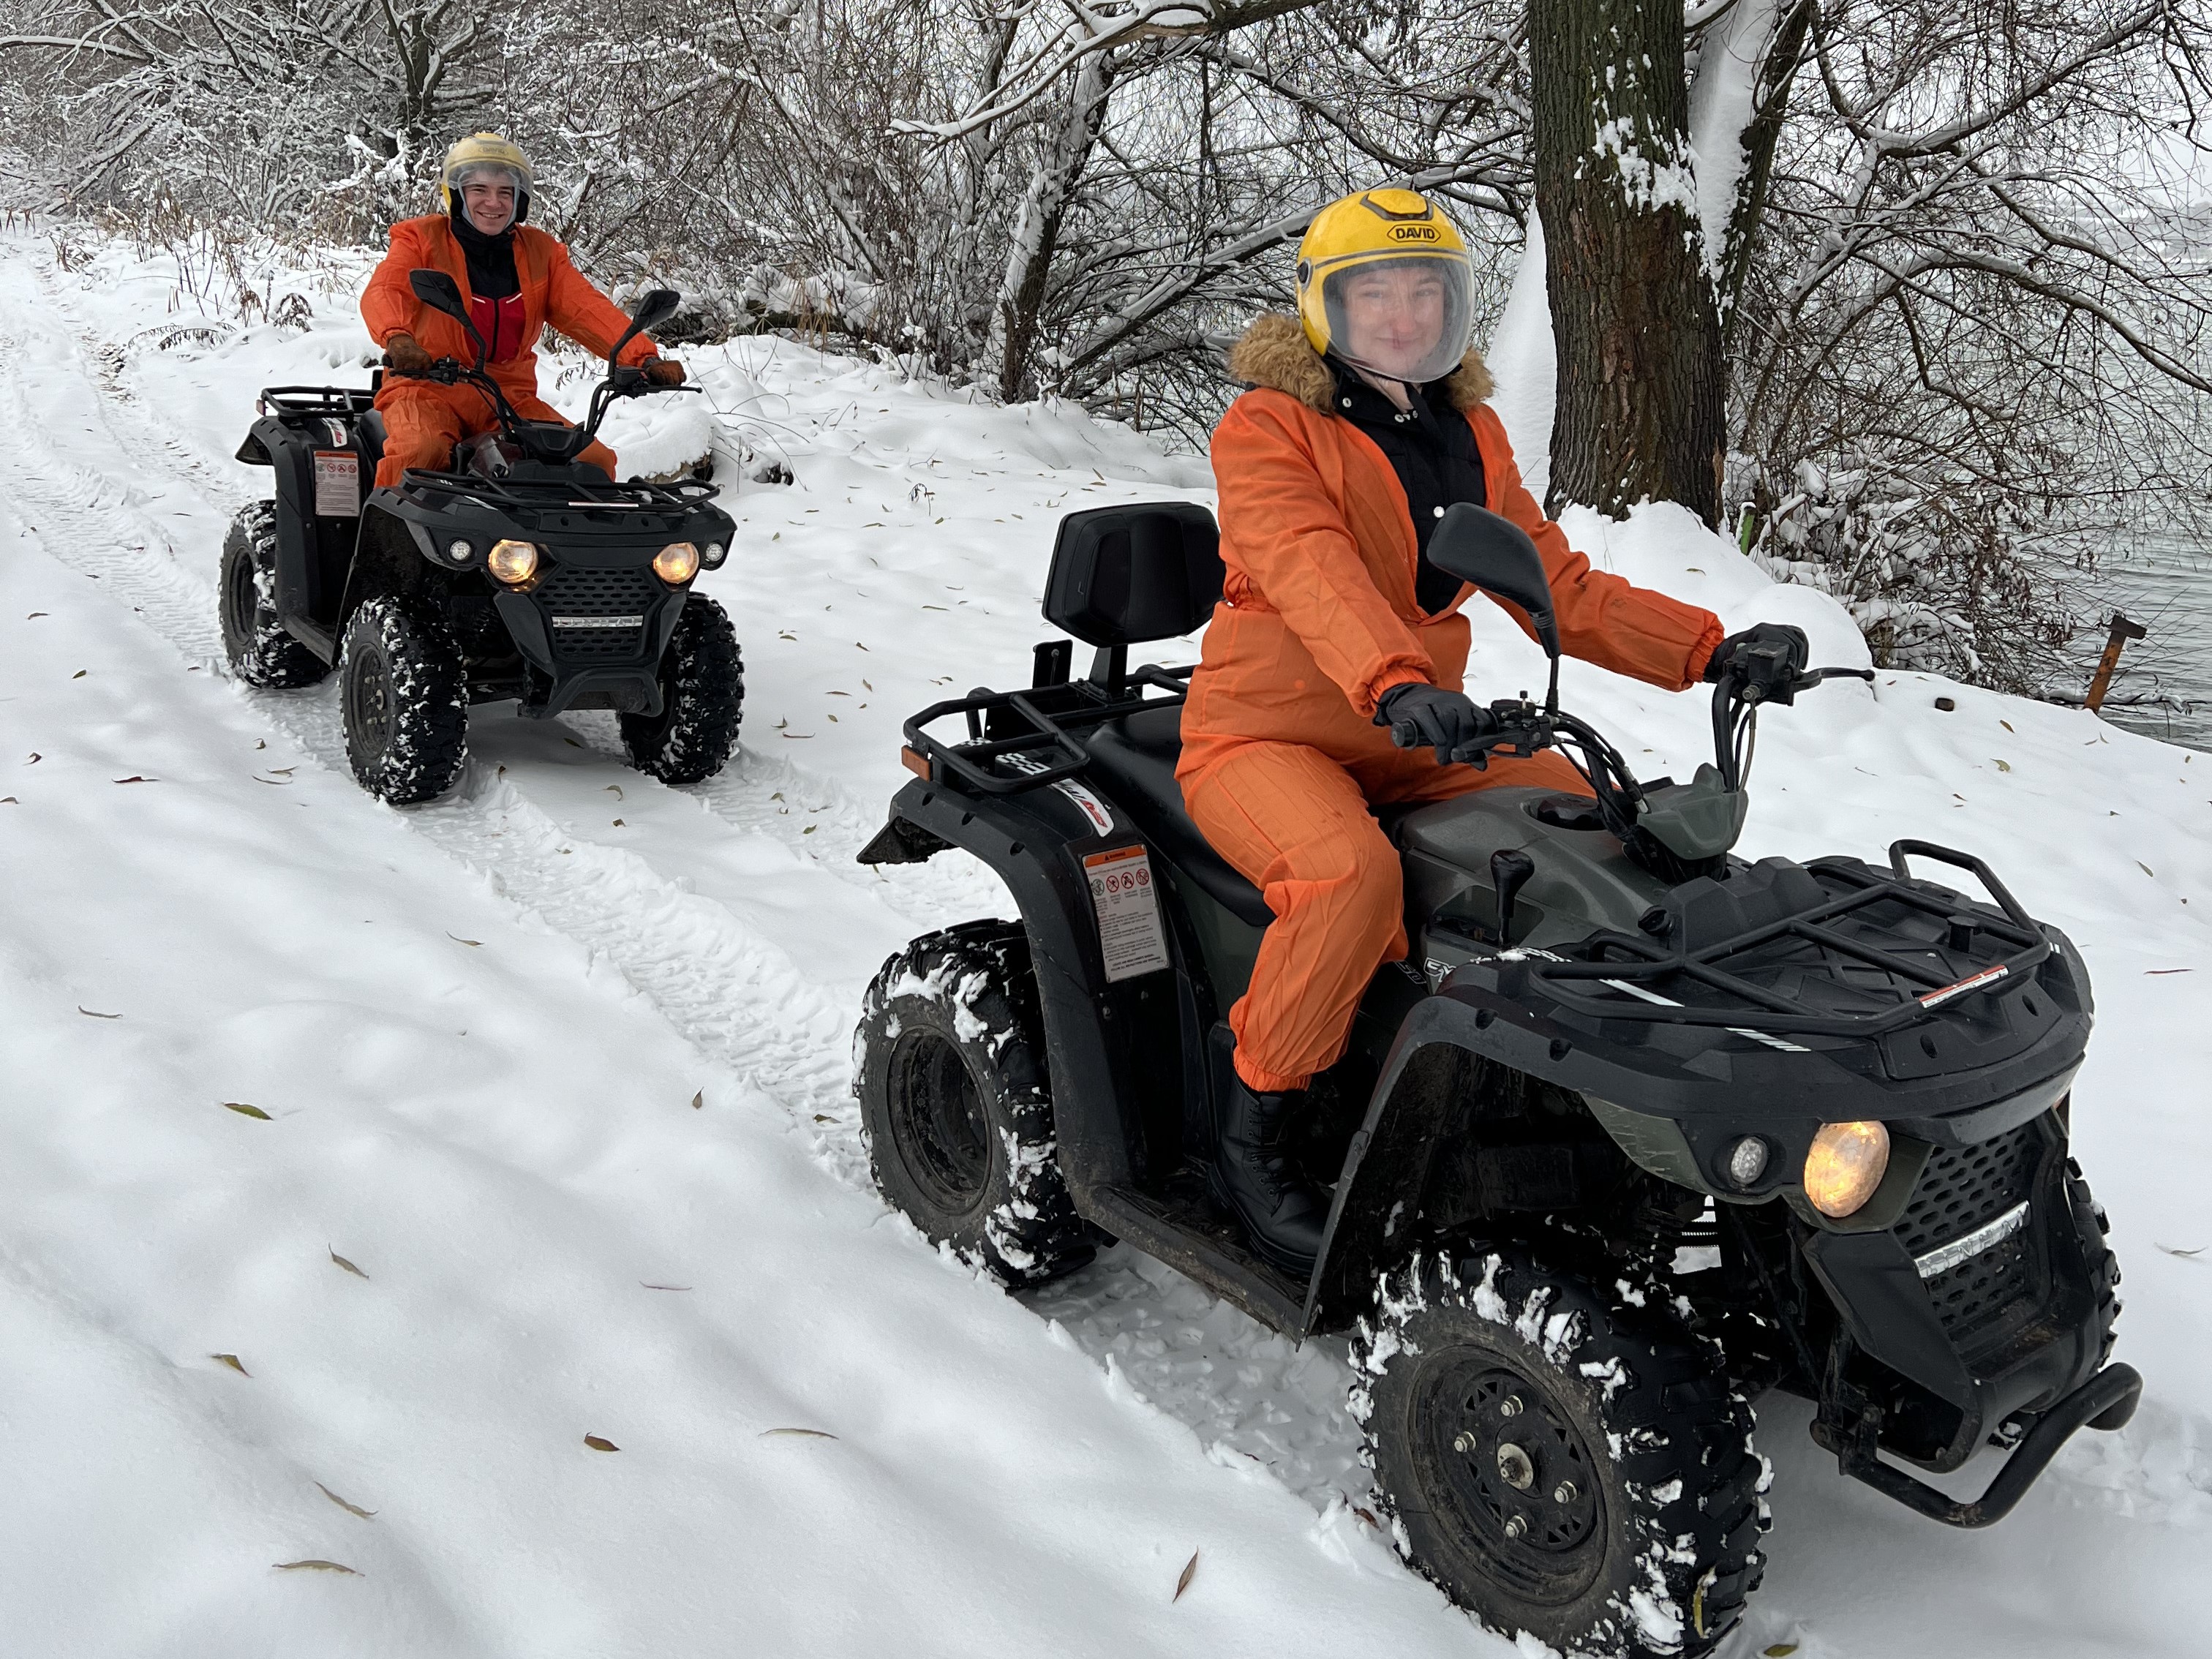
(1510, 871)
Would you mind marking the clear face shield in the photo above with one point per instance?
(1402, 317)
(491, 201)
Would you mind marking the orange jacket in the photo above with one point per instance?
(1321, 561)
(553, 293)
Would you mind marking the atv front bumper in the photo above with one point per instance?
(2105, 1401)
(596, 635)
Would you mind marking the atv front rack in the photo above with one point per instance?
(437, 488)
(1040, 733)
(1915, 977)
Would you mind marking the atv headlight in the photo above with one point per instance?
(1846, 1163)
(675, 563)
(513, 562)
(713, 558)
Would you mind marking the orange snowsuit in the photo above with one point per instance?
(423, 420)
(1281, 757)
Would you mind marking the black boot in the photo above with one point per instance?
(1283, 1212)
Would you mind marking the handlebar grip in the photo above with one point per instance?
(1406, 735)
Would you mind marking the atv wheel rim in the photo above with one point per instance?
(368, 702)
(1494, 1448)
(938, 1123)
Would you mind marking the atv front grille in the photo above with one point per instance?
(596, 615)
(1966, 1188)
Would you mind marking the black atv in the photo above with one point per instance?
(523, 573)
(1640, 1130)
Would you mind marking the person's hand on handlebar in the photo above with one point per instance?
(402, 355)
(663, 371)
(1447, 721)
(1767, 654)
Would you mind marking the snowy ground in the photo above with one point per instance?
(558, 1069)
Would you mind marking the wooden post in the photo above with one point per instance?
(2122, 631)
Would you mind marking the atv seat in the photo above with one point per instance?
(1133, 760)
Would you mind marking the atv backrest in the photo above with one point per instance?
(1124, 576)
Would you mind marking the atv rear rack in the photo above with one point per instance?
(290, 403)
(1049, 718)
(1815, 939)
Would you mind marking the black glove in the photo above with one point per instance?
(1449, 721)
(1776, 655)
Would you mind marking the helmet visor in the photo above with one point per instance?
(1403, 317)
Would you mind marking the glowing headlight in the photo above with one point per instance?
(513, 562)
(713, 558)
(678, 562)
(1845, 1165)
(459, 551)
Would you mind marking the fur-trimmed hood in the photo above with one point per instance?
(1275, 353)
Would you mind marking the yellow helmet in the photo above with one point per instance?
(1415, 323)
(485, 152)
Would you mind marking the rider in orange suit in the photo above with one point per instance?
(1333, 625)
(517, 281)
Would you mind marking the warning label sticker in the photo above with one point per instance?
(1128, 912)
(337, 485)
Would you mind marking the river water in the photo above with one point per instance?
(2164, 686)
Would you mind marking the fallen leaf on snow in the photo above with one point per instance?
(231, 1360)
(347, 1265)
(699, 1100)
(458, 939)
(2004, 766)
(135, 778)
(1780, 1651)
(1189, 1571)
(1367, 1517)
(663, 1287)
(2153, 972)
(2170, 1250)
(244, 1110)
(2008, 727)
(278, 782)
(95, 1014)
(80, 674)
(823, 1117)
(619, 824)
(35, 616)
(616, 790)
(35, 759)
(804, 1434)
(597, 1443)
(351, 1508)
(9, 800)
(2146, 869)
(313, 1566)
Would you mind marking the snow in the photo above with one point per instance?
(1724, 93)
(477, 1031)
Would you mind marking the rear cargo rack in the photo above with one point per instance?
(1039, 733)
(1816, 949)
(315, 402)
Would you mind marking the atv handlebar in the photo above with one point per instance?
(622, 380)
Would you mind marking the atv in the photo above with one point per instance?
(1639, 1131)
(521, 573)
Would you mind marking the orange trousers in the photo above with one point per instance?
(1293, 820)
(423, 421)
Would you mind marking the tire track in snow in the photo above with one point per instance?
(1248, 1393)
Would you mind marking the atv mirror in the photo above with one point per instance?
(1496, 555)
(435, 289)
(439, 292)
(655, 307)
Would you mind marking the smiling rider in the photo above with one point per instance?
(1366, 420)
(517, 282)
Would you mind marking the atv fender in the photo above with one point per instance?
(1102, 1039)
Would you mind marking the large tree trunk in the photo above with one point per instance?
(1641, 381)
